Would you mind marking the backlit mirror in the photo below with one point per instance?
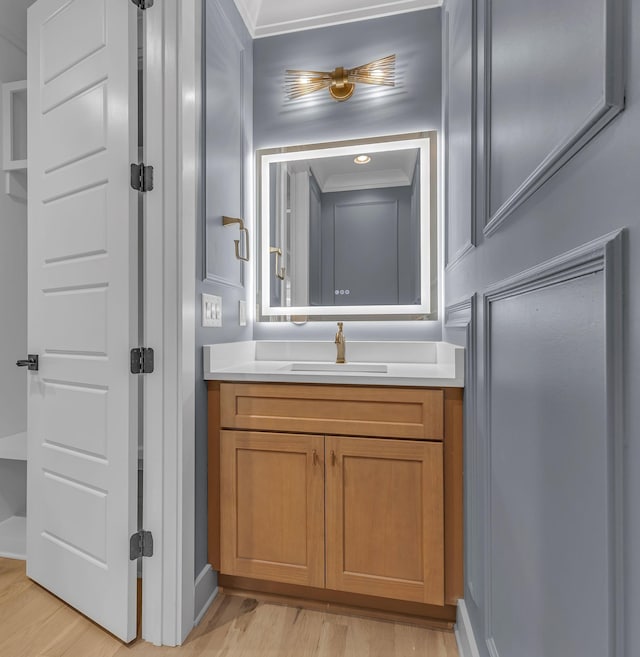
(346, 229)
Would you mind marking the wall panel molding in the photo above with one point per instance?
(233, 278)
(465, 637)
(603, 255)
(459, 315)
(462, 315)
(471, 239)
(598, 116)
(206, 590)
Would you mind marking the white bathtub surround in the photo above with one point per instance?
(407, 363)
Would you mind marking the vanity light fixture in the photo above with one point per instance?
(341, 82)
(362, 159)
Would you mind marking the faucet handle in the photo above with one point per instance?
(340, 343)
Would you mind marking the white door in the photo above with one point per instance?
(83, 306)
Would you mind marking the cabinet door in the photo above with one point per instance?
(272, 506)
(385, 519)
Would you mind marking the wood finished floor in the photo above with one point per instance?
(34, 623)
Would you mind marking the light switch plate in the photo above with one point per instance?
(211, 310)
(242, 312)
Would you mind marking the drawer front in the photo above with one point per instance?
(347, 410)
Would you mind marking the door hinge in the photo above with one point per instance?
(143, 4)
(141, 360)
(142, 177)
(140, 545)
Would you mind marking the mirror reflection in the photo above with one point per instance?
(345, 229)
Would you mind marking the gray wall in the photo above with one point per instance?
(413, 105)
(13, 281)
(547, 164)
(13, 258)
(227, 67)
(383, 234)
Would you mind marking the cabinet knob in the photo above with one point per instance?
(315, 457)
(333, 457)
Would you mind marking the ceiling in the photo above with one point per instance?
(341, 174)
(13, 22)
(269, 17)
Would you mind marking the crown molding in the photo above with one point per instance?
(249, 17)
(377, 10)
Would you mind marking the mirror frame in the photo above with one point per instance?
(425, 143)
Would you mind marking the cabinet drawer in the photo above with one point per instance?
(348, 410)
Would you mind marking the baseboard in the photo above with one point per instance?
(206, 590)
(341, 602)
(465, 638)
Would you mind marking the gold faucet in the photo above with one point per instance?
(340, 344)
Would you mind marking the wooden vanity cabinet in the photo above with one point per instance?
(272, 515)
(384, 518)
(375, 511)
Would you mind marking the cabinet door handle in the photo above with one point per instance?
(315, 457)
(333, 457)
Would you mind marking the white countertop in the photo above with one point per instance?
(423, 364)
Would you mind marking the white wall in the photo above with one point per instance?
(13, 244)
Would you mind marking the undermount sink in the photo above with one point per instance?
(337, 367)
(392, 362)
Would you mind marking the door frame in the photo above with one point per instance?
(172, 45)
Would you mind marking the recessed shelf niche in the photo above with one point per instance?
(14, 138)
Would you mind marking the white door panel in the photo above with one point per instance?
(83, 407)
(76, 225)
(80, 26)
(60, 402)
(75, 129)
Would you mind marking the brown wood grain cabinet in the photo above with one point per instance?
(374, 512)
(272, 492)
(385, 520)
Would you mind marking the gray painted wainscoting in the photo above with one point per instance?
(554, 455)
(226, 190)
(536, 121)
(550, 132)
(459, 45)
(463, 315)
